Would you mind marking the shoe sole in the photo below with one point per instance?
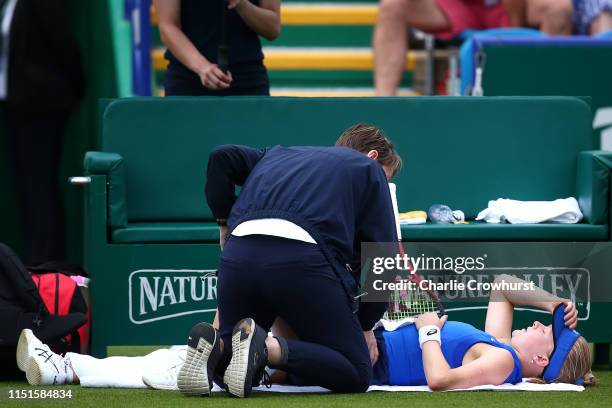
(193, 376)
(24, 360)
(34, 373)
(238, 376)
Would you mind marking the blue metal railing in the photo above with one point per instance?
(139, 12)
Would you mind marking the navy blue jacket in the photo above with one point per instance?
(338, 195)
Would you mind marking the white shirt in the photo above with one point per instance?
(5, 30)
(276, 227)
(286, 229)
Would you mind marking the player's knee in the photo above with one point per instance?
(392, 9)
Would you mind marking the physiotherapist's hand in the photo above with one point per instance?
(429, 319)
(571, 314)
(222, 236)
(213, 78)
(372, 346)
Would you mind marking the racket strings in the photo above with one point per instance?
(409, 303)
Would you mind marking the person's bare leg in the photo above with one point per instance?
(390, 37)
(517, 12)
(554, 17)
(602, 23)
(389, 43)
(390, 40)
(280, 328)
(274, 350)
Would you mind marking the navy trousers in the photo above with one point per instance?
(263, 277)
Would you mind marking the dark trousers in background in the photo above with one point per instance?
(263, 277)
(33, 143)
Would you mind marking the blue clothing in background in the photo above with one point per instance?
(586, 11)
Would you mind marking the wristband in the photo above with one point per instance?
(428, 333)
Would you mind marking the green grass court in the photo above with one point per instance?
(598, 396)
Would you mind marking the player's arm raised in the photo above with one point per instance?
(502, 303)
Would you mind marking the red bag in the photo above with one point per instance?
(62, 296)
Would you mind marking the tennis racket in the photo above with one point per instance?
(404, 305)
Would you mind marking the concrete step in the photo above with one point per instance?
(319, 58)
(323, 92)
(319, 13)
(333, 92)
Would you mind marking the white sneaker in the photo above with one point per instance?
(166, 378)
(46, 367)
(25, 348)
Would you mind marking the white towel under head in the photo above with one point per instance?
(561, 211)
(522, 386)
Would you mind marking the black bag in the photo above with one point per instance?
(21, 307)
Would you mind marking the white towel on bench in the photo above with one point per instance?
(561, 211)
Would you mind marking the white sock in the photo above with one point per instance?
(69, 370)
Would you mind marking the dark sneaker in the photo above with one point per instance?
(203, 353)
(249, 358)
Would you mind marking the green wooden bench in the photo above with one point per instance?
(151, 242)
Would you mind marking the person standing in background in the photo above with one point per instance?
(41, 83)
(213, 45)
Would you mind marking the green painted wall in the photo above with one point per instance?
(92, 27)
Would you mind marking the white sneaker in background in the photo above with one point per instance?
(165, 378)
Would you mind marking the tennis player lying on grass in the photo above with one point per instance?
(455, 355)
(465, 358)
(462, 356)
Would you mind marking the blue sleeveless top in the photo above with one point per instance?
(402, 362)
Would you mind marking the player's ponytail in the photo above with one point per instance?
(589, 379)
(576, 368)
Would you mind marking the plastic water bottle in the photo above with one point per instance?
(441, 214)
